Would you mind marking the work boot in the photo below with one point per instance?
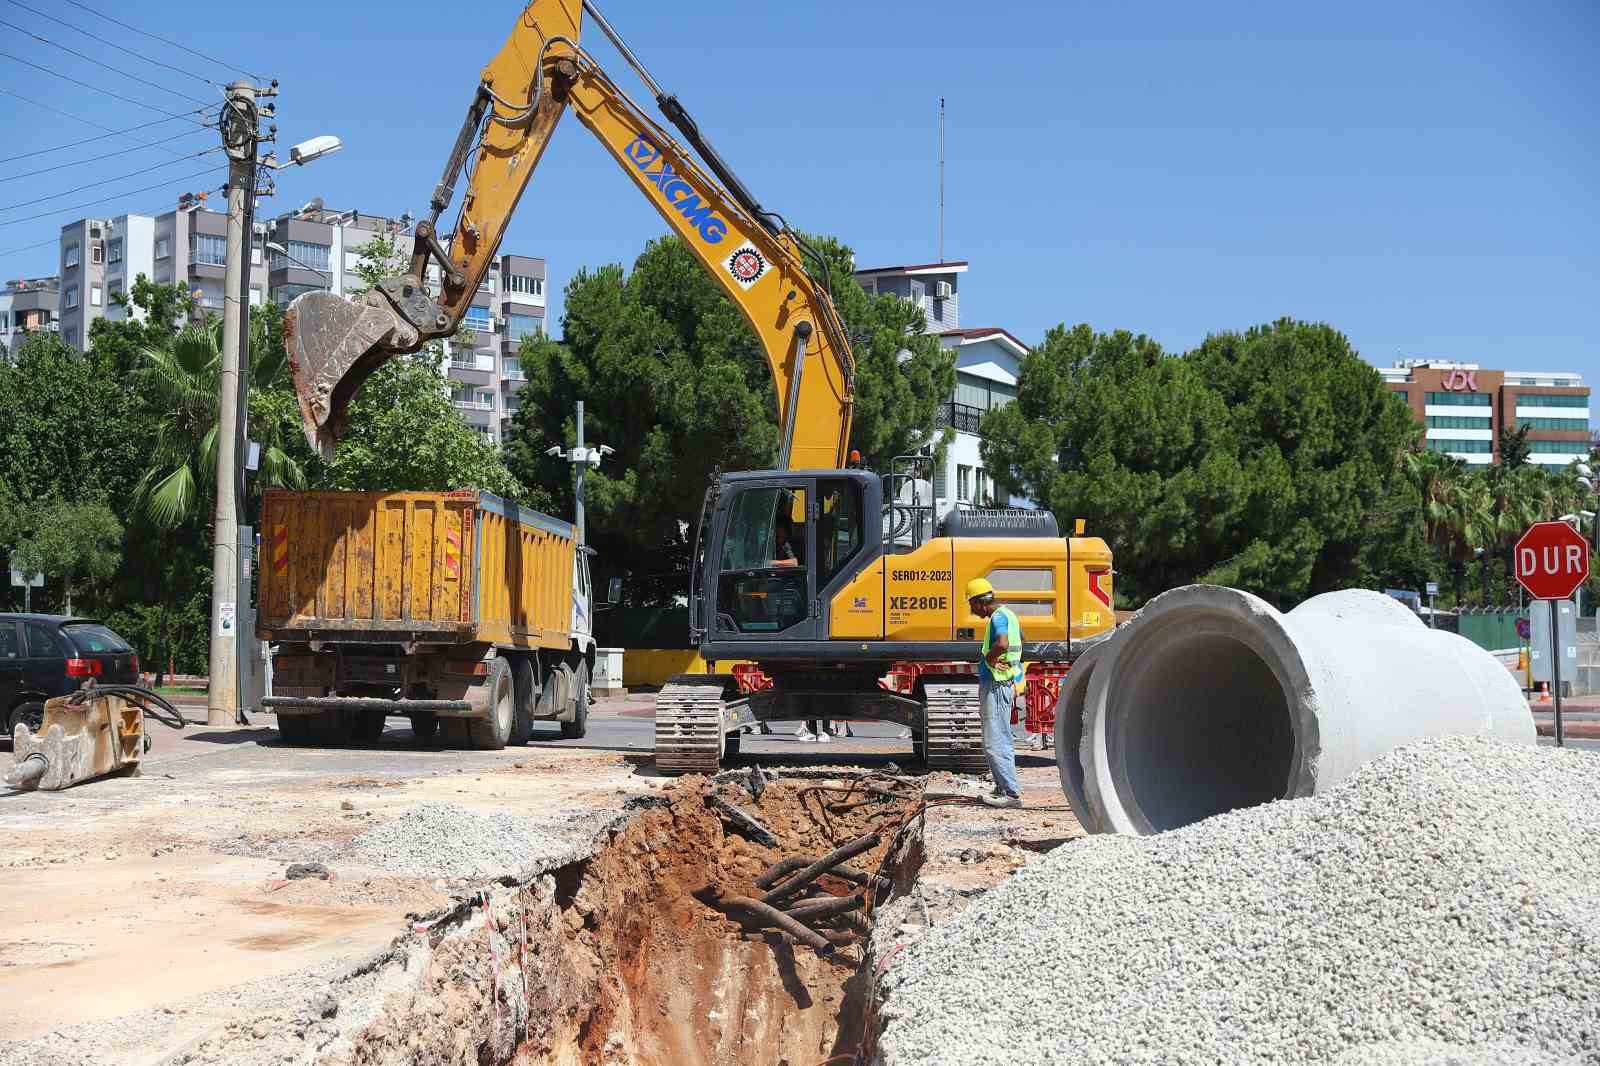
(1003, 801)
(824, 737)
(805, 736)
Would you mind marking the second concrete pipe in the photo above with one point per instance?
(1211, 700)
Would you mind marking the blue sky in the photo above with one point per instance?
(1423, 177)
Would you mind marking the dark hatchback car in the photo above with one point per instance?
(47, 655)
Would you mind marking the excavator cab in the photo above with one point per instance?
(775, 548)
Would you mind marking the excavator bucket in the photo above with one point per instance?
(334, 345)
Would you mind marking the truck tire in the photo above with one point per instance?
(333, 729)
(453, 733)
(295, 729)
(492, 732)
(424, 727)
(368, 726)
(575, 729)
(525, 686)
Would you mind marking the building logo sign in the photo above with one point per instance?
(1461, 381)
(646, 155)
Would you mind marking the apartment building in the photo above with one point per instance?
(987, 361)
(1464, 407)
(314, 248)
(27, 305)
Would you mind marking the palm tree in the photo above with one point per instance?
(1435, 476)
(181, 380)
(1468, 528)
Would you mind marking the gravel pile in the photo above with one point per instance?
(443, 840)
(1442, 906)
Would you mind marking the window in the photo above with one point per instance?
(527, 286)
(283, 295)
(255, 254)
(163, 247)
(97, 254)
(10, 643)
(71, 336)
(1404, 394)
(1564, 424)
(487, 284)
(1558, 447)
(1460, 446)
(478, 318)
(255, 296)
(42, 643)
(964, 484)
(69, 297)
(114, 250)
(870, 287)
(114, 287)
(94, 295)
(838, 527)
(304, 255)
(92, 638)
(71, 259)
(1540, 399)
(511, 367)
(520, 326)
(762, 584)
(941, 482)
(486, 398)
(1458, 399)
(209, 249)
(1458, 421)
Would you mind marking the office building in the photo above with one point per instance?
(1464, 408)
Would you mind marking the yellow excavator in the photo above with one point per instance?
(837, 591)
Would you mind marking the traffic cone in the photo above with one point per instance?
(1544, 692)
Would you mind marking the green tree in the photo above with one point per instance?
(673, 377)
(402, 433)
(1514, 447)
(1257, 460)
(71, 543)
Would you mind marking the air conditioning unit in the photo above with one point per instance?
(943, 290)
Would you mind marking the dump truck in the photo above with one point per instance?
(464, 612)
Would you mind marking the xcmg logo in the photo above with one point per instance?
(679, 194)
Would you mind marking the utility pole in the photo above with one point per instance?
(241, 131)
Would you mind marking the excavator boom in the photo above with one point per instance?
(334, 344)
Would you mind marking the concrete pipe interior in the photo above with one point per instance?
(1203, 727)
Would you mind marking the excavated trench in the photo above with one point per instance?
(648, 952)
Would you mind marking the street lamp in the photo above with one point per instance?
(275, 247)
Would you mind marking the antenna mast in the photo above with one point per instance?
(941, 179)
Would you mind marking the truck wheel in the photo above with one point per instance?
(295, 729)
(332, 728)
(453, 733)
(424, 727)
(31, 713)
(525, 686)
(369, 726)
(492, 733)
(579, 725)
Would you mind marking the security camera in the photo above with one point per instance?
(315, 148)
(606, 449)
(554, 451)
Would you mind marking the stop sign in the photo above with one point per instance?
(1552, 560)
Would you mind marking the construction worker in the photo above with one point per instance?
(998, 673)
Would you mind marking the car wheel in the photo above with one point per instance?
(31, 713)
(575, 729)
(492, 732)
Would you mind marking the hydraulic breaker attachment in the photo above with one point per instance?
(334, 345)
(92, 733)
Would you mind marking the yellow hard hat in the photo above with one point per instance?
(979, 587)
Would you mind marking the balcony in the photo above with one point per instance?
(963, 417)
(484, 363)
(473, 405)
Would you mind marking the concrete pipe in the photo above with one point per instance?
(1211, 700)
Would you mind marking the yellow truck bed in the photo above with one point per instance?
(435, 567)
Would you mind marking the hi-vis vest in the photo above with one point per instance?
(1010, 669)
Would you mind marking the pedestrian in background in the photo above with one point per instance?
(998, 673)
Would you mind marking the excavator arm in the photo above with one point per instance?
(335, 344)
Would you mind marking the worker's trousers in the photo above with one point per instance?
(994, 701)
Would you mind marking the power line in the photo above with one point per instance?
(113, 44)
(115, 196)
(86, 85)
(99, 62)
(106, 181)
(98, 158)
(90, 122)
(57, 239)
(164, 40)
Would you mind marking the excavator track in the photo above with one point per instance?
(689, 723)
(954, 726)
